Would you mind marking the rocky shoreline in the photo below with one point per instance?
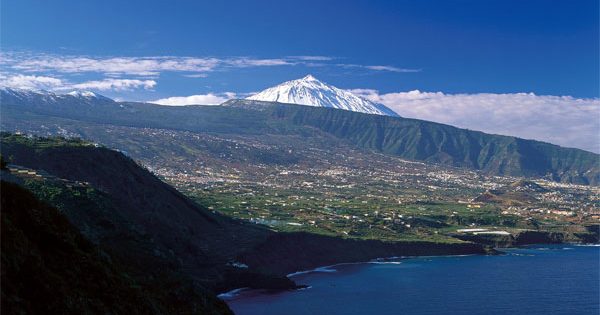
(529, 237)
(270, 263)
(283, 254)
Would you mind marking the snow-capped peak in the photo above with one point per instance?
(312, 92)
(83, 94)
(88, 95)
(309, 77)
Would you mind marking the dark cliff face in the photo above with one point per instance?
(539, 237)
(592, 234)
(48, 267)
(488, 239)
(193, 233)
(533, 237)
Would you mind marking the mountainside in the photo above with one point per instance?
(432, 142)
(24, 95)
(407, 138)
(160, 235)
(442, 144)
(135, 203)
(49, 267)
(312, 92)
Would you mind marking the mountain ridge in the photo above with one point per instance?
(407, 138)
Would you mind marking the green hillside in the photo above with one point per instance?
(442, 144)
(161, 236)
(407, 138)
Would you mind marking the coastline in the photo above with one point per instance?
(393, 260)
(228, 295)
(328, 269)
(448, 283)
(286, 253)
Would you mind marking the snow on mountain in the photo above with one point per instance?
(83, 94)
(312, 92)
(24, 93)
(47, 96)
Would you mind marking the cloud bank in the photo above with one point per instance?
(113, 84)
(31, 82)
(34, 82)
(199, 99)
(140, 66)
(379, 68)
(45, 71)
(151, 66)
(562, 120)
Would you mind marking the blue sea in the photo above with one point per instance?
(548, 279)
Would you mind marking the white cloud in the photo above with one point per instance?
(562, 120)
(391, 69)
(199, 99)
(249, 62)
(311, 58)
(378, 68)
(34, 82)
(113, 84)
(153, 66)
(144, 66)
(139, 66)
(196, 75)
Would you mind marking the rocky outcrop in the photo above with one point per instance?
(529, 237)
(539, 237)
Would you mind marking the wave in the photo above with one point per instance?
(305, 288)
(230, 294)
(384, 262)
(524, 255)
(319, 269)
(381, 260)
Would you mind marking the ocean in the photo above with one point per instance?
(541, 279)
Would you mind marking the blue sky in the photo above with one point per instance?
(523, 68)
(545, 47)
